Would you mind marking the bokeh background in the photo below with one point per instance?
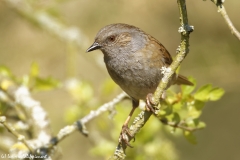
(214, 58)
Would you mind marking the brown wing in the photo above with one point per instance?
(167, 60)
(166, 57)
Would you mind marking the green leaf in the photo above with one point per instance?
(176, 118)
(190, 137)
(192, 122)
(201, 125)
(207, 92)
(5, 71)
(193, 112)
(199, 104)
(171, 97)
(177, 106)
(34, 71)
(195, 108)
(216, 94)
(46, 83)
(186, 89)
(203, 93)
(173, 118)
(165, 109)
(195, 123)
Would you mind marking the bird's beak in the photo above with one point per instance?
(93, 47)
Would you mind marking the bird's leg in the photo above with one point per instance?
(150, 103)
(125, 133)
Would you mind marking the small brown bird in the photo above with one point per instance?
(134, 60)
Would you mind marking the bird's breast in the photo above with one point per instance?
(134, 73)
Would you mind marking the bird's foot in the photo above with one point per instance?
(125, 135)
(150, 103)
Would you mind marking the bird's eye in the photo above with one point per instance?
(111, 38)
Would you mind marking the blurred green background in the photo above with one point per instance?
(214, 58)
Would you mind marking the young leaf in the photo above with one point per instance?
(5, 71)
(193, 112)
(199, 104)
(190, 137)
(176, 118)
(216, 94)
(202, 94)
(201, 125)
(46, 83)
(34, 71)
(165, 109)
(178, 106)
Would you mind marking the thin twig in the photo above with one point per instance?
(105, 107)
(180, 125)
(71, 35)
(20, 137)
(222, 10)
(48, 23)
(80, 124)
(182, 51)
(37, 118)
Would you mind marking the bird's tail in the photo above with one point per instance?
(181, 80)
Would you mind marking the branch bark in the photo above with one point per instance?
(80, 124)
(12, 130)
(222, 10)
(31, 113)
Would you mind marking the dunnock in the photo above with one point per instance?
(134, 60)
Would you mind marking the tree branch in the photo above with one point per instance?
(48, 23)
(34, 116)
(20, 137)
(222, 10)
(180, 125)
(80, 124)
(182, 51)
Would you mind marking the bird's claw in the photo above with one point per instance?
(125, 135)
(150, 103)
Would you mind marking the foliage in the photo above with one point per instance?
(183, 109)
(33, 81)
(180, 110)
